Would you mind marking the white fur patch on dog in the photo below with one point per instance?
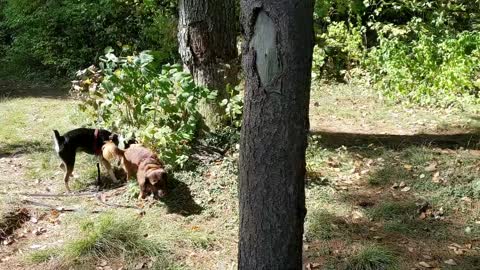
(55, 142)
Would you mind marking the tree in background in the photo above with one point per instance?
(207, 32)
(277, 59)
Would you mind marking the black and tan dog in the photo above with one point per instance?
(86, 140)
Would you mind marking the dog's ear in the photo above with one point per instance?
(129, 142)
(114, 138)
(157, 176)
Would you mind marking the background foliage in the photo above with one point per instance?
(420, 51)
(61, 36)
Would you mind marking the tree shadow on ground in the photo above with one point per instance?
(16, 89)
(337, 139)
(179, 199)
(24, 147)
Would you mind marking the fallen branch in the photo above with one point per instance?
(51, 207)
(101, 199)
(50, 194)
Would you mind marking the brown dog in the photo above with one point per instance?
(150, 170)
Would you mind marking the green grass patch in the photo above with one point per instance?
(27, 125)
(321, 225)
(41, 256)
(416, 156)
(373, 257)
(393, 210)
(104, 237)
(389, 174)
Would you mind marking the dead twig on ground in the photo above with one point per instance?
(102, 199)
(51, 207)
(50, 194)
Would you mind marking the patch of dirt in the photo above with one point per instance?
(11, 221)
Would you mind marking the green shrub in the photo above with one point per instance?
(340, 49)
(63, 36)
(420, 51)
(233, 106)
(430, 70)
(130, 95)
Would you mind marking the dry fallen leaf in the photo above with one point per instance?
(36, 246)
(311, 266)
(454, 245)
(333, 163)
(405, 189)
(424, 264)
(408, 167)
(427, 257)
(432, 166)
(450, 262)
(139, 265)
(436, 178)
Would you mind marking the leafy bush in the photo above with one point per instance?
(340, 49)
(420, 51)
(128, 94)
(233, 106)
(429, 70)
(63, 36)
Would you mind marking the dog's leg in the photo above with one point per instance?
(108, 167)
(142, 184)
(98, 175)
(68, 163)
(68, 173)
(127, 168)
(143, 192)
(154, 190)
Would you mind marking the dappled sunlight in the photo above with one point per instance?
(407, 200)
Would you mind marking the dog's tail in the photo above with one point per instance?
(110, 151)
(57, 140)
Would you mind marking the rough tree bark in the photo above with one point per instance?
(277, 57)
(207, 32)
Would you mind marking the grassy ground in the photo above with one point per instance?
(370, 206)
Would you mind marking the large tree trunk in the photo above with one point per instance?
(277, 57)
(207, 45)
